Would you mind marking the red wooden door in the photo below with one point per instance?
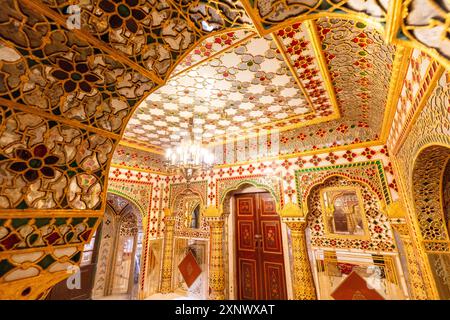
(259, 249)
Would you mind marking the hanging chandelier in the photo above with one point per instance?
(189, 157)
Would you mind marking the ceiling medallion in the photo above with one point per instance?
(189, 157)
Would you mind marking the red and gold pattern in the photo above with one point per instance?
(354, 287)
(189, 268)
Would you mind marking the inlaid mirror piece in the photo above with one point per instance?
(344, 213)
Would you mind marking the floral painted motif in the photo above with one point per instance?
(34, 164)
(123, 13)
(75, 76)
(381, 238)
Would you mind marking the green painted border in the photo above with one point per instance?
(381, 175)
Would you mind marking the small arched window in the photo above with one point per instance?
(195, 218)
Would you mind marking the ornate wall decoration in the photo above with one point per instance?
(311, 80)
(138, 159)
(268, 182)
(26, 233)
(64, 76)
(425, 22)
(356, 54)
(154, 34)
(149, 192)
(50, 165)
(211, 47)
(105, 254)
(122, 218)
(135, 184)
(55, 243)
(269, 15)
(305, 140)
(421, 22)
(380, 233)
(66, 95)
(297, 41)
(197, 187)
(138, 192)
(431, 127)
(217, 14)
(427, 195)
(41, 262)
(418, 81)
(184, 204)
(284, 170)
(369, 172)
(428, 141)
(62, 107)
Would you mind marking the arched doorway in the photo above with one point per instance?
(191, 239)
(431, 195)
(351, 246)
(118, 265)
(254, 251)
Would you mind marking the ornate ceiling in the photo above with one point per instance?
(305, 79)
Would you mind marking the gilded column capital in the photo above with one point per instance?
(298, 225)
(400, 226)
(169, 222)
(395, 210)
(212, 212)
(215, 222)
(292, 210)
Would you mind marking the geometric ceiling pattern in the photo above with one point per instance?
(247, 87)
(335, 76)
(153, 34)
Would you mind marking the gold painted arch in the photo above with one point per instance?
(427, 185)
(187, 191)
(316, 187)
(303, 198)
(132, 200)
(271, 186)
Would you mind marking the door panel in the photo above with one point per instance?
(271, 233)
(249, 285)
(247, 253)
(267, 205)
(246, 235)
(259, 249)
(246, 206)
(274, 280)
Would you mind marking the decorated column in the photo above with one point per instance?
(397, 219)
(303, 282)
(216, 267)
(166, 273)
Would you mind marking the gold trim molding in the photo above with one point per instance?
(291, 210)
(395, 210)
